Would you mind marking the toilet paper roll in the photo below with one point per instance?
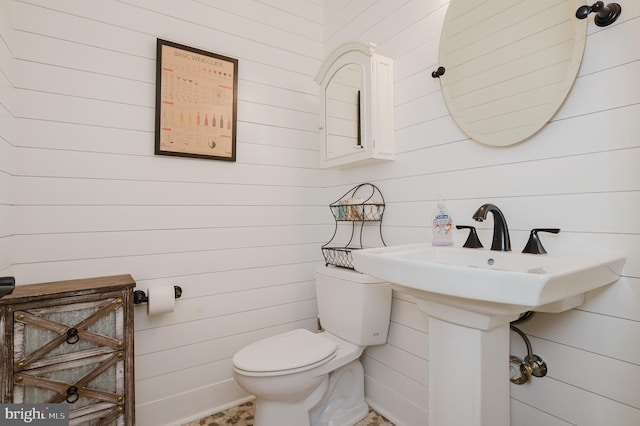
(161, 300)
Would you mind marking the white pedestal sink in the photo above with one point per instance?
(471, 296)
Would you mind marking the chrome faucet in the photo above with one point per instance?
(501, 241)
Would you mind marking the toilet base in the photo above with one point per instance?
(271, 412)
(343, 404)
(337, 399)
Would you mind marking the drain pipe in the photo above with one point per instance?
(520, 371)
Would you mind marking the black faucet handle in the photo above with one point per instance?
(534, 245)
(472, 240)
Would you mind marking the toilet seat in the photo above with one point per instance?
(287, 353)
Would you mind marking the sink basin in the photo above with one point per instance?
(470, 297)
(491, 282)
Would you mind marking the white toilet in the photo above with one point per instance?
(302, 378)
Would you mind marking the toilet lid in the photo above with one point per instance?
(289, 351)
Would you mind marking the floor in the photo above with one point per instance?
(242, 415)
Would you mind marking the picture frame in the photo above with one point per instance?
(196, 102)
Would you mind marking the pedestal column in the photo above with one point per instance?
(468, 367)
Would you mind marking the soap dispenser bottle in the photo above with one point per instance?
(442, 226)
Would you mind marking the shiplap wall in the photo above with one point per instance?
(242, 239)
(6, 143)
(579, 173)
(90, 198)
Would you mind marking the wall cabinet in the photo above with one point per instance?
(357, 106)
(71, 341)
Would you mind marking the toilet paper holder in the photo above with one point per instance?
(139, 296)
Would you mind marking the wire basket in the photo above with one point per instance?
(363, 211)
(338, 256)
(361, 204)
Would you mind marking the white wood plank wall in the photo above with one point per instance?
(6, 140)
(90, 198)
(579, 173)
(81, 193)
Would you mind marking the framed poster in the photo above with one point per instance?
(196, 103)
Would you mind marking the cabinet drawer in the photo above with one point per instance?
(53, 334)
(92, 385)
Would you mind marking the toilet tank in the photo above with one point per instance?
(353, 306)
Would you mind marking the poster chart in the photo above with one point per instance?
(196, 102)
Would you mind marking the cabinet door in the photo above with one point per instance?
(357, 107)
(72, 352)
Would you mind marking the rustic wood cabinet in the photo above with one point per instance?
(71, 341)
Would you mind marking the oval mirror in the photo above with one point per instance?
(509, 64)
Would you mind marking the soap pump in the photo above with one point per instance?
(442, 226)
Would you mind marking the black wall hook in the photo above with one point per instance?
(605, 15)
(437, 73)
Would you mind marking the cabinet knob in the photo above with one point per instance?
(72, 336)
(18, 379)
(72, 394)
